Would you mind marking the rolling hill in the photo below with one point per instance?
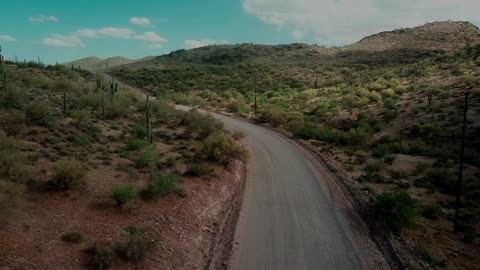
(402, 45)
(95, 64)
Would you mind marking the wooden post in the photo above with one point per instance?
(460, 166)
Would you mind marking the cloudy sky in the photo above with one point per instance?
(58, 30)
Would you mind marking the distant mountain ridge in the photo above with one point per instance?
(401, 45)
(94, 63)
(437, 36)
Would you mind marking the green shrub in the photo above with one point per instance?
(135, 144)
(140, 132)
(441, 179)
(237, 107)
(79, 139)
(12, 122)
(432, 211)
(39, 112)
(72, 237)
(395, 210)
(389, 159)
(430, 133)
(121, 105)
(67, 174)
(427, 257)
(124, 195)
(11, 195)
(204, 124)
(315, 133)
(199, 170)
(275, 116)
(403, 184)
(135, 245)
(81, 118)
(102, 255)
(12, 160)
(13, 97)
(221, 147)
(148, 158)
(237, 135)
(371, 177)
(161, 186)
(161, 110)
(468, 222)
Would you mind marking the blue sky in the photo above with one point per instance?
(58, 30)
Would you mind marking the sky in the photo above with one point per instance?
(61, 31)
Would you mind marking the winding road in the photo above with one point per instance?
(288, 219)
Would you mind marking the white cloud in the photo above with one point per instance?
(298, 35)
(155, 46)
(42, 19)
(74, 39)
(191, 44)
(56, 40)
(88, 33)
(139, 20)
(7, 38)
(150, 37)
(336, 22)
(114, 32)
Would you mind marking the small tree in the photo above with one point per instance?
(124, 195)
(395, 211)
(432, 92)
(68, 174)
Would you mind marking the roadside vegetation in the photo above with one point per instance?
(76, 148)
(391, 124)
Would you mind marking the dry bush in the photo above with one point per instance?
(67, 174)
(223, 148)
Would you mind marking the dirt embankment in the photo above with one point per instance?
(194, 232)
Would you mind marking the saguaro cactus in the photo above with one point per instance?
(113, 88)
(103, 104)
(65, 103)
(1, 60)
(4, 87)
(148, 121)
(3, 71)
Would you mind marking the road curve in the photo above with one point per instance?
(288, 220)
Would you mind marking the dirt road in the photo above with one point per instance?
(288, 218)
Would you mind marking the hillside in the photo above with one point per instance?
(83, 176)
(384, 113)
(438, 36)
(94, 63)
(403, 45)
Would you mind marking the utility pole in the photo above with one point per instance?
(460, 166)
(255, 106)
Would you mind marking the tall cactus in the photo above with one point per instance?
(113, 88)
(148, 121)
(3, 70)
(64, 103)
(1, 60)
(4, 86)
(103, 104)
